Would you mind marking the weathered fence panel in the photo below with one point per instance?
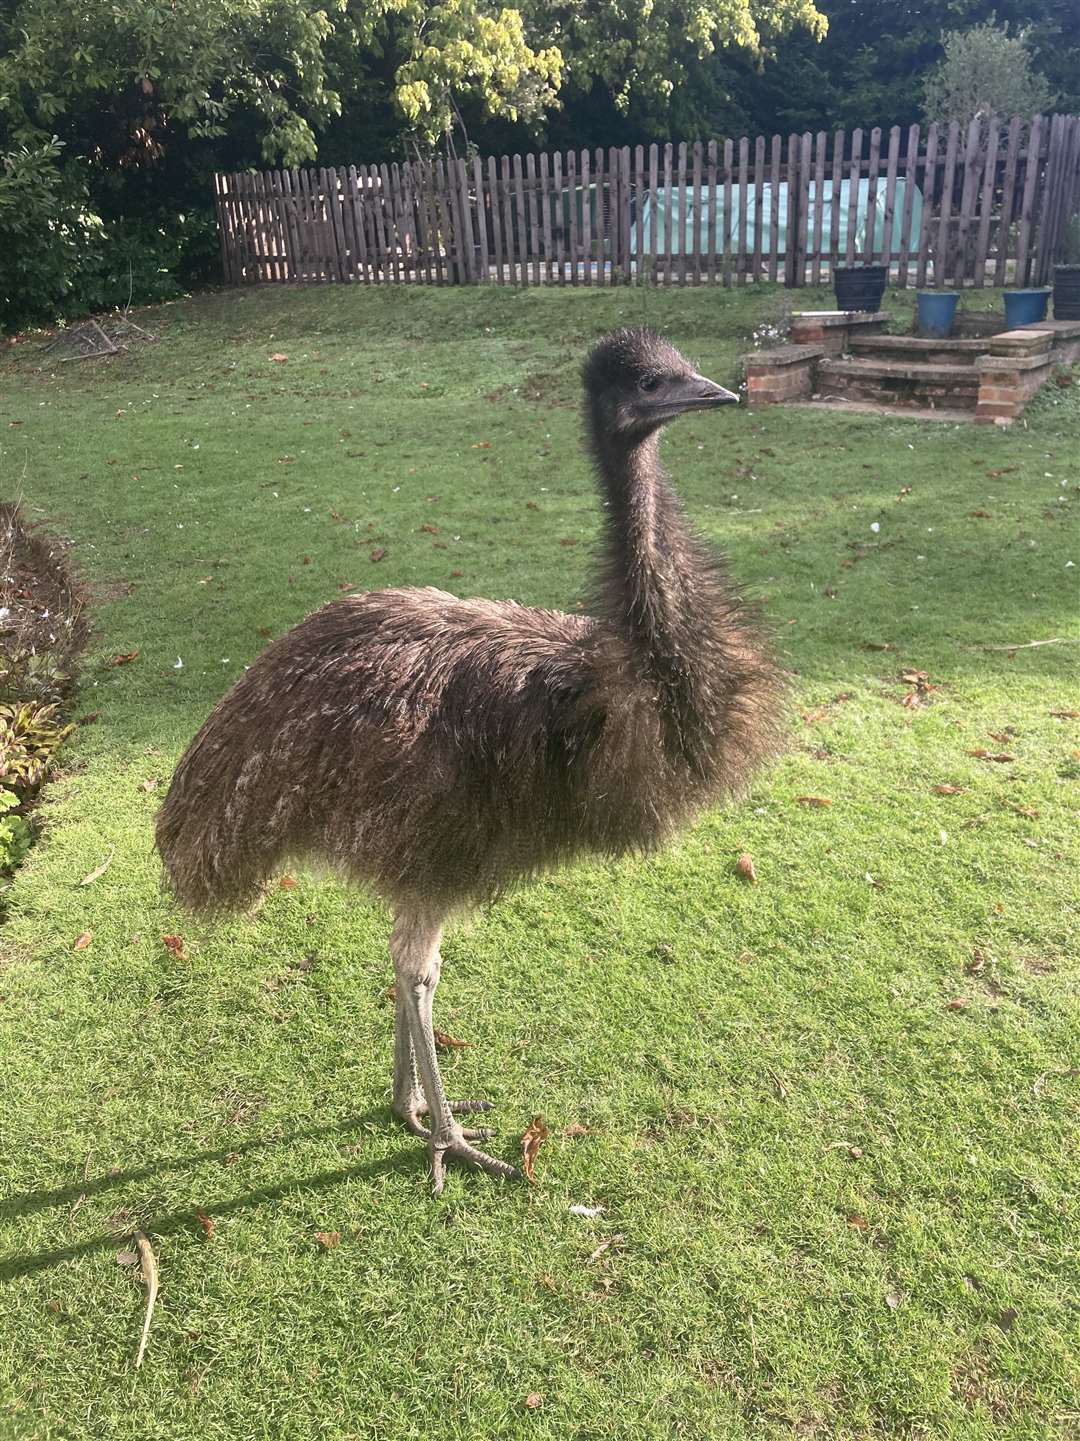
(987, 206)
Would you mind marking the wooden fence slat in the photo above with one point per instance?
(872, 171)
(929, 193)
(854, 176)
(370, 184)
(349, 253)
(292, 227)
(532, 189)
(560, 217)
(791, 252)
(1008, 199)
(669, 217)
(614, 210)
(468, 222)
(495, 218)
(836, 194)
(696, 212)
(622, 170)
(805, 144)
(710, 185)
(586, 218)
(444, 218)
(654, 244)
(534, 215)
(1053, 191)
(680, 209)
(600, 229)
(402, 220)
(742, 259)
(224, 239)
(507, 203)
(545, 217)
(304, 220)
(639, 211)
(943, 257)
(890, 197)
(572, 192)
(820, 145)
(522, 221)
(332, 194)
(964, 266)
(911, 159)
(390, 216)
(413, 176)
(483, 259)
(1028, 201)
(432, 228)
(729, 226)
(776, 148)
(759, 204)
(986, 203)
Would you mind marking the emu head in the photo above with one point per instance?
(635, 382)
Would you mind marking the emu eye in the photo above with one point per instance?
(648, 382)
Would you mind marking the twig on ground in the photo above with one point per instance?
(1028, 644)
(150, 1276)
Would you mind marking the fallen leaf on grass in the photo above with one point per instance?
(531, 505)
(878, 645)
(481, 445)
(1065, 714)
(958, 1003)
(744, 866)
(977, 964)
(575, 1128)
(449, 1043)
(429, 529)
(125, 659)
(328, 1239)
(568, 540)
(604, 1245)
(857, 1223)
(949, 790)
(126, 1258)
(345, 585)
(911, 700)
(88, 720)
(1028, 812)
(811, 717)
(378, 553)
(150, 784)
(535, 1135)
(980, 515)
(893, 1299)
(533, 1400)
(278, 356)
(813, 800)
(457, 574)
(1007, 1318)
(175, 944)
(83, 941)
(588, 1211)
(206, 1222)
(97, 873)
(287, 883)
(982, 754)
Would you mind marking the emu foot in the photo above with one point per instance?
(411, 1108)
(454, 1145)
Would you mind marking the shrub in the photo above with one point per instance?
(14, 832)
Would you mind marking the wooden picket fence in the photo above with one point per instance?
(986, 207)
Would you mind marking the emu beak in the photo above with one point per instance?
(702, 393)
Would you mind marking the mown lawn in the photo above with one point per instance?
(831, 1119)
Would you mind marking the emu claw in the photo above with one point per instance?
(456, 1147)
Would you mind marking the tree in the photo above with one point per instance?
(985, 71)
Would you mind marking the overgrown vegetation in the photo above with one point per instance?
(824, 1124)
(42, 629)
(984, 71)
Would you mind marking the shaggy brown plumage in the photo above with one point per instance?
(438, 750)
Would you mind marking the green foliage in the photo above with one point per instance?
(985, 71)
(30, 676)
(30, 736)
(15, 834)
(48, 233)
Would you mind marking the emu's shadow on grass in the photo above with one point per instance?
(185, 1219)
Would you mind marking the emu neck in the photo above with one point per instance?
(657, 591)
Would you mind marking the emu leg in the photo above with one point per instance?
(414, 946)
(410, 1103)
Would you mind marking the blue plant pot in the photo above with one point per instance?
(936, 313)
(1025, 307)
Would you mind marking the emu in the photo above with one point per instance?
(438, 750)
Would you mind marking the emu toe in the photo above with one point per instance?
(454, 1146)
(411, 1110)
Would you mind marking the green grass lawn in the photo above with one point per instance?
(831, 1119)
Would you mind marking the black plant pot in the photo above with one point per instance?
(1067, 292)
(859, 287)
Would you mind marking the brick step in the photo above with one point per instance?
(908, 384)
(906, 348)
